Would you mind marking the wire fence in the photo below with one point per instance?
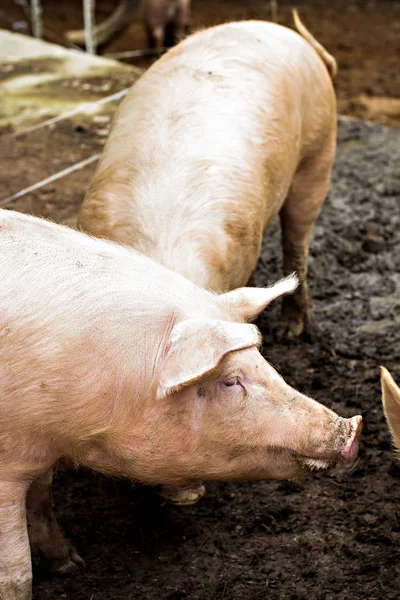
(36, 186)
(89, 7)
(87, 107)
(89, 21)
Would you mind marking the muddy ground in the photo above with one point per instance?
(329, 537)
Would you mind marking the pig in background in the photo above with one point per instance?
(111, 361)
(231, 127)
(391, 405)
(166, 22)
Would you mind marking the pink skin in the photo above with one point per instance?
(119, 364)
(243, 421)
(350, 449)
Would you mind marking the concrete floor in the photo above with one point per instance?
(39, 80)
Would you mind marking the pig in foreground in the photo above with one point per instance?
(111, 361)
(166, 22)
(231, 127)
(391, 405)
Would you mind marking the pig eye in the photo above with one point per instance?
(231, 382)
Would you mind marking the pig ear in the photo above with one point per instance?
(249, 301)
(196, 347)
(391, 405)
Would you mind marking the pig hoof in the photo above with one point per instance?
(294, 326)
(290, 330)
(67, 566)
(60, 561)
(183, 496)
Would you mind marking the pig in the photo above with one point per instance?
(165, 21)
(391, 405)
(114, 362)
(231, 127)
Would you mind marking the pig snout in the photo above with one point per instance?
(350, 448)
(346, 437)
(341, 449)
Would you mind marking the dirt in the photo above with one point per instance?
(332, 536)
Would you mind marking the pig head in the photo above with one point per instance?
(210, 407)
(240, 417)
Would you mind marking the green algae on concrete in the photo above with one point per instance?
(39, 80)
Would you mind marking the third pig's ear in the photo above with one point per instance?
(391, 405)
(197, 346)
(248, 302)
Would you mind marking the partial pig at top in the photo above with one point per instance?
(166, 22)
(112, 361)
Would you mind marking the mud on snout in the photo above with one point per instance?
(343, 449)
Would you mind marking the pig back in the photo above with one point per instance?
(203, 150)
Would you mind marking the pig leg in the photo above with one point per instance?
(156, 37)
(252, 282)
(298, 214)
(15, 560)
(178, 27)
(45, 536)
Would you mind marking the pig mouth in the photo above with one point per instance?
(344, 450)
(314, 464)
(309, 464)
(303, 463)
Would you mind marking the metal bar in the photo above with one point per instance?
(135, 53)
(88, 20)
(36, 17)
(59, 175)
(49, 33)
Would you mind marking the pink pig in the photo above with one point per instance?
(230, 128)
(114, 362)
(166, 21)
